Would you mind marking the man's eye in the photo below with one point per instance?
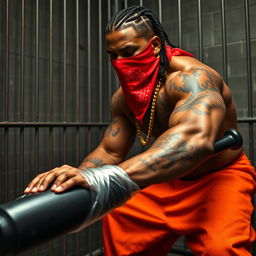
(128, 53)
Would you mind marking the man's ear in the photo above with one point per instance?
(157, 44)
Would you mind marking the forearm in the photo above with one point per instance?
(99, 157)
(171, 157)
(117, 141)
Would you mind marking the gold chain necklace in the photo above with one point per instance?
(151, 118)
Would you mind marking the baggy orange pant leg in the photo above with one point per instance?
(213, 212)
(223, 219)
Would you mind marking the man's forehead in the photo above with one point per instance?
(119, 38)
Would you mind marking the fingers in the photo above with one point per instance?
(64, 178)
(48, 178)
(35, 185)
(32, 184)
(42, 181)
(77, 180)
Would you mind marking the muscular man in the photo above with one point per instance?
(186, 189)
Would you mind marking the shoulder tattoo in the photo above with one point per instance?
(201, 91)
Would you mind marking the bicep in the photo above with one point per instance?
(118, 137)
(193, 128)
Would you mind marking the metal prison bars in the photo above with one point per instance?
(57, 84)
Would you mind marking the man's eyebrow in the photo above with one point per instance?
(128, 47)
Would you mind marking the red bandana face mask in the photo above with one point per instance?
(138, 77)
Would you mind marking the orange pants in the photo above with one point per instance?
(213, 212)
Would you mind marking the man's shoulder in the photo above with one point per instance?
(188, 79)
(118, 103)
(117, 98)
(192, 72)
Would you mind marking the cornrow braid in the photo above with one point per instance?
(142, 19)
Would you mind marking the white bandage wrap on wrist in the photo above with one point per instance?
(110, 187)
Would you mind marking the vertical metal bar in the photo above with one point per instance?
(36, 149)
(22, 96)
(50, 67)
(6, 162)
(249, 77)
(100, 62)
(125, 3)
(89, 58)
(89, 96)
(77, 145)
(51, 94)
(160, 9)
(37, 89)
(50, 88)
(65, 93)
(7, 63)
(141, 2)
(37, 64)
(200, 40)
(65, 58)
(179, 21)
(65, 76)
(77, 102)
(37, 92)
(77, 64)
(6, 131)
(22, 62)
(109, 65)
(224, 41)
(77, 81)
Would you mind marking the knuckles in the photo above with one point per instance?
(65, 166)
(48, 178)
(60, 175)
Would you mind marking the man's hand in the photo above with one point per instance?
(64, 177)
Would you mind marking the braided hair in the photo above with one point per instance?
(148, 25)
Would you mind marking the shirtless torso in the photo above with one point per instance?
(183, 67)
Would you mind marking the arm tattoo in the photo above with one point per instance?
(96, 161)
(203, 94)
(148, 164)
(111, 131)
(172, 150)
(92, 160)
